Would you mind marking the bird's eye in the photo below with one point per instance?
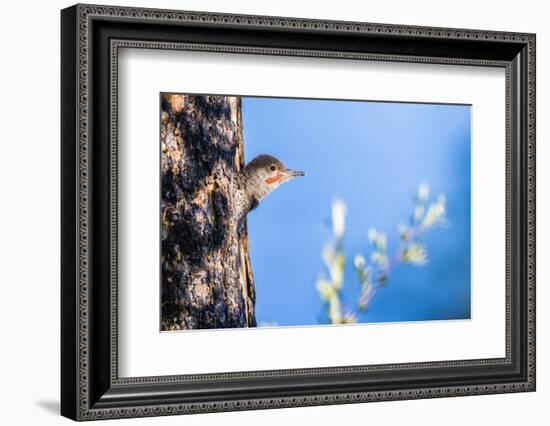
(273, 168)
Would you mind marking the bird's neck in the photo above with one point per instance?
(253, 186)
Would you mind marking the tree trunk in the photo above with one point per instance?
(206, 276)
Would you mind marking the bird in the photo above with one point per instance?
(256, 180)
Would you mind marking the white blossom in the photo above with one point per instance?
(423, 192)
(338, 218)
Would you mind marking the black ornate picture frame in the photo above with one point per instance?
(90, 39)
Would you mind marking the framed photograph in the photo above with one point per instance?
(263, 212)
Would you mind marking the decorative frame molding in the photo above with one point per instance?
(91, 388)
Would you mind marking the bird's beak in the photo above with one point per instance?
(288, 174)
(294, 173)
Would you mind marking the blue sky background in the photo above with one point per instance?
(373, 156)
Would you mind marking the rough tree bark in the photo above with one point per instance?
(206, 276)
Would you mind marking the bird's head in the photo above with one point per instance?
(267, 173)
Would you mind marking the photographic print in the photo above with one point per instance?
(348, 206)
(299, 212)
